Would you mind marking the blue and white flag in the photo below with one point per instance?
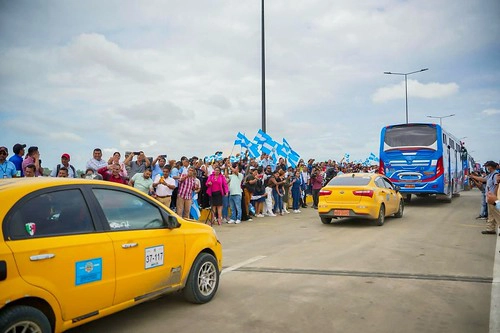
(261, 137)
(195, 209)
(346, 157)
(241, 140)
(286, 146)
(293, 158)
(281, 151)
(234, 159)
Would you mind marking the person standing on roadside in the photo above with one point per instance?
(33, 157)
(137, 166)
(142, 181)
(17, 158)
(235, 179)
(7, 168)
(164, 186)
(115, 159)
(187, 184)
(491, 187)
(65, 158)
(316, 184)
(96, 162)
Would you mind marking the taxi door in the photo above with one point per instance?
(55, 246)
(392, 200)
(149, 257)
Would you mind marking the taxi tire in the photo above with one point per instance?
(22, 315)
(326, 220)
(401, 208)
(381, 216)
(204, 267)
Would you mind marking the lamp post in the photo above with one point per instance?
(263, 71)
(406, 85)
(441, 118)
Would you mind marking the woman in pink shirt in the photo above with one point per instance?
(216, 189)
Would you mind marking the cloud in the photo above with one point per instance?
(415, 89)
(491, 112)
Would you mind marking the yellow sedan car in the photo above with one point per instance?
(75, 250)
(360, 195)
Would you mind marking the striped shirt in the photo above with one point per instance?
(186, 188)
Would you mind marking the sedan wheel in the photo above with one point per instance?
(24, 319)
(203, 279)
(400, 210)
(326, 220)
(381, 216)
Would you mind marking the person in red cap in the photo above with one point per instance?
(64, 163)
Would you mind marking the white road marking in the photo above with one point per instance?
(241, 264)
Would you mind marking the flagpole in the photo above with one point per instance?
(263, 75)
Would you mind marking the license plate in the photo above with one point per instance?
(341, 212)
(410, 186)
(153, 257)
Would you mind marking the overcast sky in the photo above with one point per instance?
(183, 77)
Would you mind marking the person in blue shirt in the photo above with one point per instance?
(7, 168)
(17, 158)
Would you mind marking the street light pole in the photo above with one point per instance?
(441, 118)
(406, 85)
(263, 74)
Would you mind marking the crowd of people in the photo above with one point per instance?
(249, 187)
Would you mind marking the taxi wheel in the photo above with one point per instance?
(24, 318)
(400, 210)
(326, 220)
(203, 279)
(381, 216)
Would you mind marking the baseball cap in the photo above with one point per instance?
(65, 155)
(491, 164)
(17, 148)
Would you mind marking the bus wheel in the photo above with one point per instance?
(408, 198)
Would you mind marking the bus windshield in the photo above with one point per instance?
(422, 136)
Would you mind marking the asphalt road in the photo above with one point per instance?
(430, 271)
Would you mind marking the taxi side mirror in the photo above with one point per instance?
(397, 188)
(172, 222)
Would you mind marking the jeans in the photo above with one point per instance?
(225, 205)
(315, 193)
(295, 198)
(235, 203)
(278, 202)
(484, 205)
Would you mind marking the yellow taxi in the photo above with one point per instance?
(75, 250)
(360, 195)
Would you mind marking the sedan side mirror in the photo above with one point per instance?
(172, 222)
(397, 188)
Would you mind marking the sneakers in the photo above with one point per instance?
(270, 214)
(259, 215)
(296, 211)
(488, 232)
(238, 221)
(231, 221)
(480, 217)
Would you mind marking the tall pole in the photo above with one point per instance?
(406, 96)
(263, 74)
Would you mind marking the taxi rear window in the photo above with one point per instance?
(349, 181)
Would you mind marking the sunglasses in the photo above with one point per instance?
(3, 152)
